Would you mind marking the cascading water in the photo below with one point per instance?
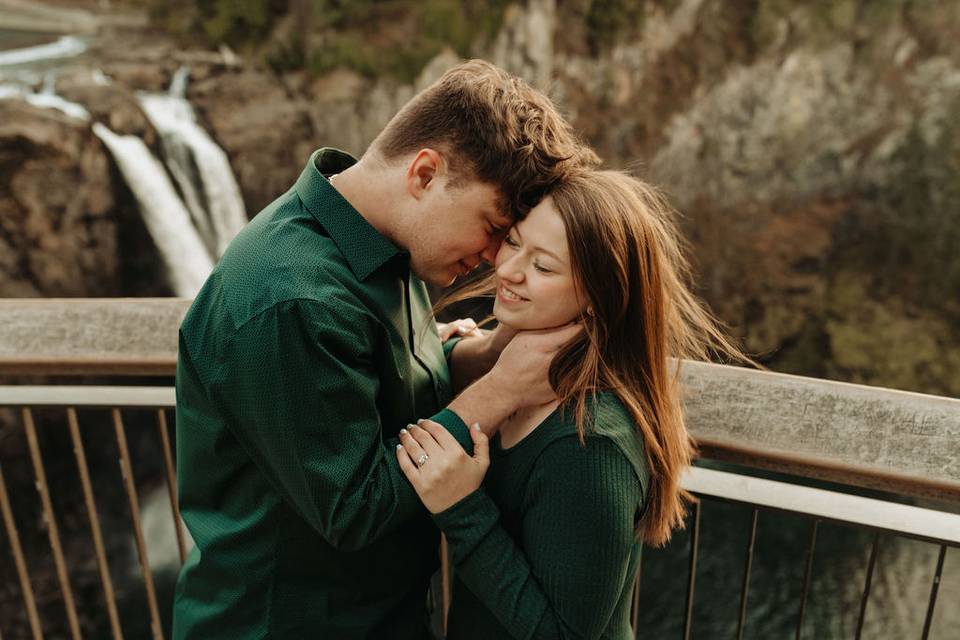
(191, 223)
(187, 261)
(199, 167)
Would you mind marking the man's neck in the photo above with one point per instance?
(365, 189)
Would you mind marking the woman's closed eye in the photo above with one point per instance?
(510, 242)
(542, 269)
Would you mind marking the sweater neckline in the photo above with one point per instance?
(502, 452)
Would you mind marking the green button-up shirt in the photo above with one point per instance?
(306, 351)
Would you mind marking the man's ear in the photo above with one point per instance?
(423, 171)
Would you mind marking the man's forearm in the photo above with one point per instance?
(470, 359)
(484, 402)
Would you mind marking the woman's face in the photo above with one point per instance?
(535, 287)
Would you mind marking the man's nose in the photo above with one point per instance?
(489, 253)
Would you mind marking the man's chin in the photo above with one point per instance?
(436, 278)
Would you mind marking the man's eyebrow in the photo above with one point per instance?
(500, 219)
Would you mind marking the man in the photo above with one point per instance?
(312, 344)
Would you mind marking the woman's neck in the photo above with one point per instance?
(522, 423)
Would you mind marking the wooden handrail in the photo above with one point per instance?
(878, 438)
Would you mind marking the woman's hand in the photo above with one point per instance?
(436, 465)
(462, 327)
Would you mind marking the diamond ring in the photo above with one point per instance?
(422, 460)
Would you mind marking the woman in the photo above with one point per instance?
(548, 546)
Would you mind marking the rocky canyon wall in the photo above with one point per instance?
(812, 149)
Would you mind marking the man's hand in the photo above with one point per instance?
(519, 378)
(523, 369)
(476, 354)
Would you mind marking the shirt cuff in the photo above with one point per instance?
(457, 428)
(467, 523)
(449, 345)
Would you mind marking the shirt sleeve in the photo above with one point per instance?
(300, 386)
(566, 575)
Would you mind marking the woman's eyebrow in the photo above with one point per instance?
(516, 228)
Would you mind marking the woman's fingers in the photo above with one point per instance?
(407, 465)
(413, 448)
(481, 445)
(443, 437)
(463, 327)
(424, 438)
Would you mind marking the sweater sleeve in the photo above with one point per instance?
(565, 576)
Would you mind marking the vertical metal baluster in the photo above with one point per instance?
(11, 526)
(171, 482)
(127, 471)
(933, 592)
(874, 550)
(691, 583)
(746, 576)
(806, 576)
(445, 579)
(102, 565)
(52, 532)
(635, 607)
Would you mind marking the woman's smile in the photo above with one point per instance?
(508, 296)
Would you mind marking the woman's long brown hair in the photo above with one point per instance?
(629, 263)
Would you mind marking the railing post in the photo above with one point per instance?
(52, 532)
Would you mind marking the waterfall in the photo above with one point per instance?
(187, 261)
(191, 223)
(65, 47)
(199, 167)
(46, 99)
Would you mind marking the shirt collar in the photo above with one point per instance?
(365, 248)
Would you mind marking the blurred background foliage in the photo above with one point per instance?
(373, 37)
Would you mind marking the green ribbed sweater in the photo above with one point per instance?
(547, 547)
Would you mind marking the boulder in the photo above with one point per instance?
(58, 220)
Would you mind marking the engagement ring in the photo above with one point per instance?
(422, 460)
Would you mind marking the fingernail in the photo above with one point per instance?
(420, 420)
(461, 329)
(476, 426)
(403, 432)
(399, 446)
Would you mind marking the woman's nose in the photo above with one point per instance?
(510, 270)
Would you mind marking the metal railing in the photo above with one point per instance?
(113, 399)
(937, 527)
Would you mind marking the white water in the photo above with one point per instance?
(65, 47)
(199, 167)
(186, 259)
(46, 99)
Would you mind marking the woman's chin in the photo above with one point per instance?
(508, 319)
(519, 323)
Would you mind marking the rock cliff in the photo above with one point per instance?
(812, 149)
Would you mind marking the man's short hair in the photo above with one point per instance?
(492, 126)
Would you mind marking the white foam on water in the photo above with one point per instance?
(65, 47)
(185, 256)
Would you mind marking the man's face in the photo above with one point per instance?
(457, 228)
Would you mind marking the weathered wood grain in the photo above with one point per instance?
(132, 336)
(866, 436)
